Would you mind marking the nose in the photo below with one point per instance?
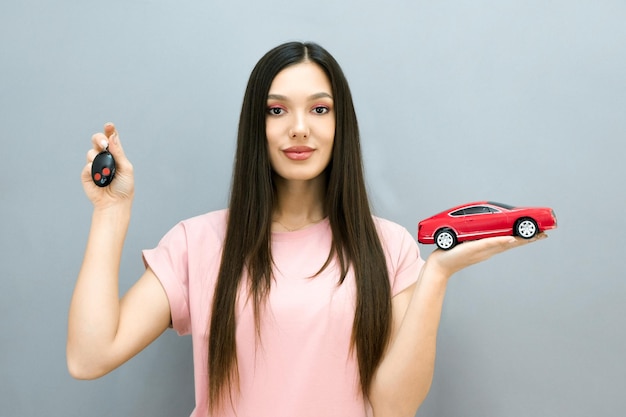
(299, 128)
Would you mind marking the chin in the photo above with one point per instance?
(299, 176)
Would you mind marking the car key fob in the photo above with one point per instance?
(103, 169)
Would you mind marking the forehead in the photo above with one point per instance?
(304, 78)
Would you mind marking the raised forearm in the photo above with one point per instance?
(404, 377)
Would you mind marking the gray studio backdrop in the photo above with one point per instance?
(522, 102)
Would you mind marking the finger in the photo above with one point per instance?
(520, 241)
(91, 154)
(99, 141)
(113, 138)
(500, 244)
(109, 129)
(478, 250)
(503, 243)
(86, 172)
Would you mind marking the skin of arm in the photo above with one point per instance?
(405, 373)
(104, 331)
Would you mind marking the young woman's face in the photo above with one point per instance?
(300, 122)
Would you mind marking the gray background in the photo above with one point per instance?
(522, 102)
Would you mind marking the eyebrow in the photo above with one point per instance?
(316, 96)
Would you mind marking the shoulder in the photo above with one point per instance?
(197, 230)
(395, 239)
(388, 229)
(402, 254)
(215, 220)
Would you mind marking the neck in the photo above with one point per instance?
(299, 204)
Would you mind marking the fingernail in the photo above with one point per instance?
(104, 143)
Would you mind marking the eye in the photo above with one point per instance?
(320, 109)
(275, 111)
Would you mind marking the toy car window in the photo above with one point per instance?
(477, 210)
(504, 206)
(458, 213)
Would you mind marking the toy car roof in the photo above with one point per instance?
(481, 203)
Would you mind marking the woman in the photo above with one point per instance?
(299, 301)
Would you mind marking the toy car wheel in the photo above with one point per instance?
(526, 228)
(445, 239)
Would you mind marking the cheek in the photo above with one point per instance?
(329, 128)
(273, 131)
(273, 152)
(329, 133)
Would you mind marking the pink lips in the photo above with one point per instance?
(298, 153)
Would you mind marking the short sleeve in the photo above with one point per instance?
(404, 262)
(169, 261)
(408, 263)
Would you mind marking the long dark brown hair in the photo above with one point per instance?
(247, 245)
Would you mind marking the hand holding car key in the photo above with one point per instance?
(108, 175)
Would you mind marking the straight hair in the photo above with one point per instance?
(247, 244)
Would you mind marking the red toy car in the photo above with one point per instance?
(484, 219)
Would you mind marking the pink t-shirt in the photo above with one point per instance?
(302, 365)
